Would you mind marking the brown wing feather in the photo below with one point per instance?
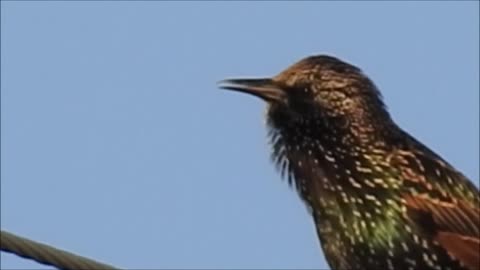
(456, 227)
(442, 202)
(457, 217)
(466, 249)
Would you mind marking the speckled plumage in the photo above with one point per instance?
(379, 198)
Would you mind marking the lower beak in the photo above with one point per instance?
(265, 89)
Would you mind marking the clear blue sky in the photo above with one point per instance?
(117, 145)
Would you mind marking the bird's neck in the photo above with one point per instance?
(364, 129)
(331, 148)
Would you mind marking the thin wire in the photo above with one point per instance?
(47, 255)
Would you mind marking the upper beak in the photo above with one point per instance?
(265, 89)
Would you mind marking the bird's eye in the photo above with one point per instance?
(347, 103)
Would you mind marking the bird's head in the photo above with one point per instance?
(318, 88)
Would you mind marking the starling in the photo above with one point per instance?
(379, 198)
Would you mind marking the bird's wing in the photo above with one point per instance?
(455, 226)
(444, 203)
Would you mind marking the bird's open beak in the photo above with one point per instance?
(265, 89)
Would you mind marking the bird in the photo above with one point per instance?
(378, 197)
